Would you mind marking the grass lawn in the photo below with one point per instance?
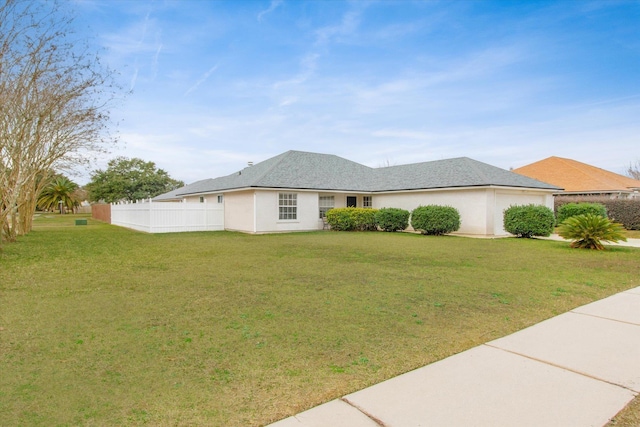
(632, 234)
(100, 325)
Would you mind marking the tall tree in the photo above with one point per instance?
(54, 98)
(634, 170)
(127, 179)
(60, 192)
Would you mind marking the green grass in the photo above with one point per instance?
(632, 234)
(101, 325)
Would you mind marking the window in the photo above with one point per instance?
(287, 206)
(220, 198)
(367, 202)
(325, 203)
(201, 199)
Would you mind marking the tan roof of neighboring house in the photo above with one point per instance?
(574, 176)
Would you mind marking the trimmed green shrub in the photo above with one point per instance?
(623, 211)
(351, 219)
(392, 219)
(574, 209)
(340, 219)
(529, 220)
(435, 219)
(589, 231)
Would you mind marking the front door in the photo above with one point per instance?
(351, 201)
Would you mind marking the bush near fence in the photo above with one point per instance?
(623, 211)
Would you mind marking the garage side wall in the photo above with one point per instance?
(472, 205)
(506, 198)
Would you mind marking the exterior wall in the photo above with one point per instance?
(208, 198)
(507, 198)
(239, 211)
(481, 210)
(267, 207)
(471, 203)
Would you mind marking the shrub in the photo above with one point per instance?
(623, 211)
(340, 219)
(392, 219)
(589, 231)
(350, 219)
(574, 209)
(529, 220)
(435, 219)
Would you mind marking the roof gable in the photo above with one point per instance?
(315, 171)
(575, 176)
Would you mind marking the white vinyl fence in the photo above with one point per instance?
(168, 217)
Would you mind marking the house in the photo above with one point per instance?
(581, 179)
(292, 191)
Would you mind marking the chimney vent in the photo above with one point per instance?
(250, 164)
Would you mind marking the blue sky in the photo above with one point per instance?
(216, 84)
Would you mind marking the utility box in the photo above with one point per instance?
(81, 222)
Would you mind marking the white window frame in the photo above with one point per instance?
(367, 202)
(201, 199)
(287, 206)
(220, 198)
(325, 203)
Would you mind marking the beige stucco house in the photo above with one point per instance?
(292, 191)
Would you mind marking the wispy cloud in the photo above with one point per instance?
(347, 26)
(154, 62)
(202, 79)
(308, 65)
(274, 4)
(134, 77)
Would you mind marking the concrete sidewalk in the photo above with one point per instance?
(630, 242)
(577, 369)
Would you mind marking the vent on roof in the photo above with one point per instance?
(249, 164)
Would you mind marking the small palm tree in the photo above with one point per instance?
(61, 189)
(589, 231)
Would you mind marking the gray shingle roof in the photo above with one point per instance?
(314, 171)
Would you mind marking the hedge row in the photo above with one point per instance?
(352, 219)
(574, 209)
(623, 211)
(430, 219)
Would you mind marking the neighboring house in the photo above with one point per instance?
(292, 191)
(581, 179)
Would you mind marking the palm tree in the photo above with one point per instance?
(61, 189)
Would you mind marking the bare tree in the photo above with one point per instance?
(634, 170)
(54, 97)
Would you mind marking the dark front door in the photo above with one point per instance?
(351, 201)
